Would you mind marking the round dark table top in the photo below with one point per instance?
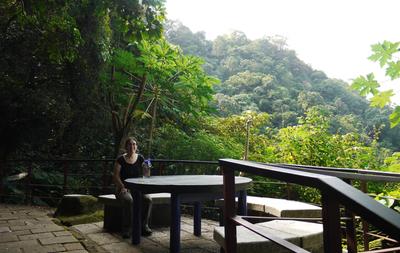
(184, 183)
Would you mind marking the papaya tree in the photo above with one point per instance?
(160, 78)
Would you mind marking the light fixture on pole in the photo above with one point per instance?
(248, 123)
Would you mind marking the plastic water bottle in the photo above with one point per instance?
(148, 163)
(147, 167)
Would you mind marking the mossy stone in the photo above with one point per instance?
(81, 219)
(77, 204)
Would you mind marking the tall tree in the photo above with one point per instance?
(52, 55)
(162, 78)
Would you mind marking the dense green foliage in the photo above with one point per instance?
(76, 78)
(264, 76)
(52, 55)
(312, 119)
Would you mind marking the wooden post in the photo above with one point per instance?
(175, 229)
(197, 218)
(331, 223)
(65, 167)
(2, 175)
(289, 191)
(242, 202)
(364, 188)
(161, 168)
(28, 187)
(104, 176)
(351, 238)
(229, 210)
(136, 217)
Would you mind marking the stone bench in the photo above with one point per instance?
(306, 235)
(280, 207)
(113, 211)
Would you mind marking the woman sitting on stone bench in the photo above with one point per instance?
(130, 165)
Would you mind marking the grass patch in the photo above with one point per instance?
(81, 219)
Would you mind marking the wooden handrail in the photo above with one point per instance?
(365, 175)
(350, 170)
(290, 246)
(334, 192)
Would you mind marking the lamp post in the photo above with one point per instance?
(246, 151)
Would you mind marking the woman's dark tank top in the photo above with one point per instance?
(130, 170)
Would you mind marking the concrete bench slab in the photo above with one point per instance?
(280, 207)
(291, 208)
(113, 211)
(158, 198)
(304, 234)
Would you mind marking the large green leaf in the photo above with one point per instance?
(383, 52)
(393, 70)
(365, 85)
(382, 98)
(395, 117)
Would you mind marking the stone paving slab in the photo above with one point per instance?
(44, 249)
(5, 237)
(73, 246)
(103, 238)
(59, 239)
(62, 233)
(36, 236)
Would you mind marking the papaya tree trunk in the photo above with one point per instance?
(123, 122)
(152, 126)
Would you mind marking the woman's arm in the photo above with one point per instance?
(117, 178)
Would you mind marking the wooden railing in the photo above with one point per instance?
(99, 171)
(349, 176)
(334, 191)
(101, 175)
(61, 170)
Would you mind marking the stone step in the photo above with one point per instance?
(304, 234)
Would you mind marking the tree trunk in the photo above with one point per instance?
(122, 128)
(152, 126)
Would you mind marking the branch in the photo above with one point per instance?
(128, 107)
(132, 109)
(131, 75)
(151, 102)
(174, 76)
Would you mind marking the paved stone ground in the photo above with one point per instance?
(25, 229)
(158, 242)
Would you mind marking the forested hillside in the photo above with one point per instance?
(263, 75)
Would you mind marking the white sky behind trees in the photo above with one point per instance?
(334, 36)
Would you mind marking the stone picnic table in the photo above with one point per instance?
(187, 188)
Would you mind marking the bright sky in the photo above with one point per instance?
(330, 35)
